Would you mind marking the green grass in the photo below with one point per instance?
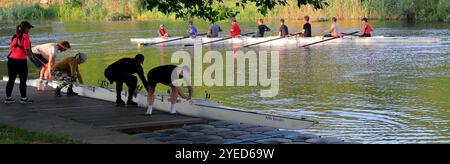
(10, 135)
(26, 12)
(93, 10)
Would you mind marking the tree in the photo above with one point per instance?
(217, 10)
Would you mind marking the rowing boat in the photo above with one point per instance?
(201, 108)
(206, 109)
(293, 41)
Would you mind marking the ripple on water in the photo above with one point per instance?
(376, 126)
(276, 102)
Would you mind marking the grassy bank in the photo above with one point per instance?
(104, 10)
(413, 10)
(10, 135)
(29, 12)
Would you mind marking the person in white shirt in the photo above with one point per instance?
(49, 50)
(334, 29)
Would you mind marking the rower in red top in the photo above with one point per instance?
(235, 29)
(367, 28)
(163, 33)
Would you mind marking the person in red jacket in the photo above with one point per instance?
(163, 33)
(367, 28)
(235, 29)
(17, 62)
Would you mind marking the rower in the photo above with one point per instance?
(49, 50)
(235, 29)
(122, 72)
(367, 28)
(334, 29)
(213, 31)
(284, 31)
(262, 28)
(192, 30)
(306, 32)
(163, 33)
(168, 75)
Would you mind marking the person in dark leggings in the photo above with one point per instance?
(122, 72)
(17, 62)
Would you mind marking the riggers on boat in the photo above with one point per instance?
(201, 108)
(290, 41)
(205, 109)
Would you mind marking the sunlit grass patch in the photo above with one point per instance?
(11, 135)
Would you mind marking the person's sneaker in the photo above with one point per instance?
(132, 103)
(120, 102)
(9, 101)
(26, 101)
(70, 92)
(58, 93)
(173, 114)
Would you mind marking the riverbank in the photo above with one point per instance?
(104, 10)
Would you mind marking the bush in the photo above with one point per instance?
(77, 9)
(27, 12)
(119, 17)
(84, 10)
(74, 3)
(443, 11)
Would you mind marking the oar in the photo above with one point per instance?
(227, 38)
(270, 40)
(172, 40)
(351, 34)
(328, 39)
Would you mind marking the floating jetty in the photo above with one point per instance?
(226, 132)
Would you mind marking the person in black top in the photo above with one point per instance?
(284, 31)
(262, 28)
(168, 75)
(306, 32)
(122, 72)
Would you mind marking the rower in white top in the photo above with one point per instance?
(334, 29)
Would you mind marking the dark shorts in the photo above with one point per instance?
(38, 60)
(154, 79)
(328, 35)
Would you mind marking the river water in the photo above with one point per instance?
(393, 92)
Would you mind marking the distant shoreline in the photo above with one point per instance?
(126, 10)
